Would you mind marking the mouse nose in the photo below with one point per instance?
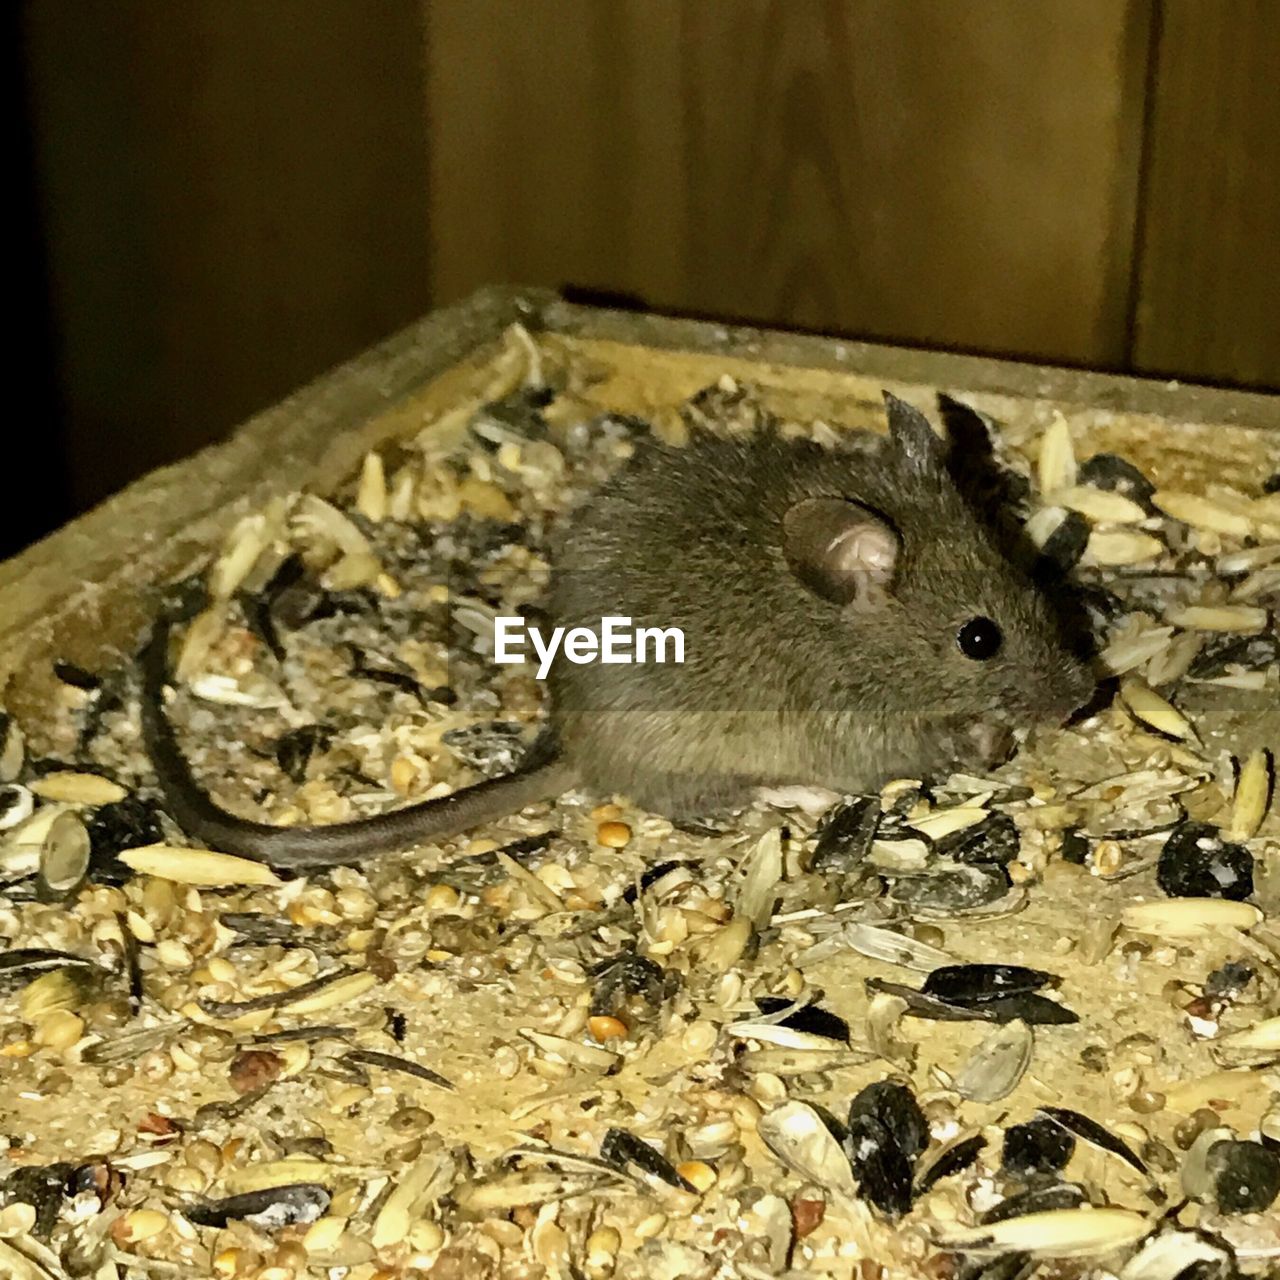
(1075, 689)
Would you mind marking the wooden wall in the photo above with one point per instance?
(917, 170)
(234, 201)
(237, 194)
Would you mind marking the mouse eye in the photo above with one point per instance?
(979, 639)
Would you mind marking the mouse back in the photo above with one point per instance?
(831, 601)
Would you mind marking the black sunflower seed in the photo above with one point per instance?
(1109, 471)
(1034, 1010)
(895, 1107)
(649, 875)
(812, 1019)
(18, 964)
(1229, 980)
(624, 975)
(126, 824)
(1040, 1146)
(1050, 1195)
(1196, 862)
(76, 676)
(880, 1165)
(1246, 1176)
(44, 1187)
(846, 836)
(1075, 847)
(980, 983)
(297, 1202)
(950, 1161)
(620, 1149)
(1253, 653)
(1092, 1132)
(1065, 545)
(993, 840)
(962, 889)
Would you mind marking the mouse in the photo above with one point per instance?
(847, 617)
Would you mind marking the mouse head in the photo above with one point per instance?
(902, 571)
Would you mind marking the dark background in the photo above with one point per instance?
(220, 199)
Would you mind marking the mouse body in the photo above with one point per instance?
(845, 616)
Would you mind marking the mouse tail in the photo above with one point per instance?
(540, 776)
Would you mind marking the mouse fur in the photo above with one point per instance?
(821, 592)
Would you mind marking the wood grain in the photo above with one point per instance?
(234, 202)
(957, 175)
(1209, 271)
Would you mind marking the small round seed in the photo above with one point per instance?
(138, 1225)
(698, 1173)
(613, 835)
(603, 1028)
(1146, 1101)
(323, 1234)
(59, 1030)
(442, 897)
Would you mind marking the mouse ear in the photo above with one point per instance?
(840, 550)
(912, 434)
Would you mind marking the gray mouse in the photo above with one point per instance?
(846, 617)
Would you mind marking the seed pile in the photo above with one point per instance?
(952, 1029)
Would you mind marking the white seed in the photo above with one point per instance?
(1264, 584)
(1263, 1038)
(337, 992)
(761, 870)
(371, 496)
(1056, 466)
(1056, 1233)
(899, 855)
(943, 822)
(1250, 558)
(414, 1191)
(323, 1234)
(1176, 1253)
(1189, 917)
(1253, 795)
(994, 1068)
(13, 748)
(64, 857)
(1043, 524)
(1118, 547)
(1200, 512)
(16, 1218)
(197, 866)
(800, 1061)
(1175, 661)
(1130, 650)
(324, 523)
(70, 787)
(1104, 506)
(727, 946)
(266, 1174)
(795, 1133)
(358, 569)
(573, 1052)
(1186, 1096)
(59, 1030)
(878, 944)
(1245, 619)
(1254, 680)
(1153, 710)
(142, 1224)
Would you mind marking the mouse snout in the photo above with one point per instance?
(1071, 689)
